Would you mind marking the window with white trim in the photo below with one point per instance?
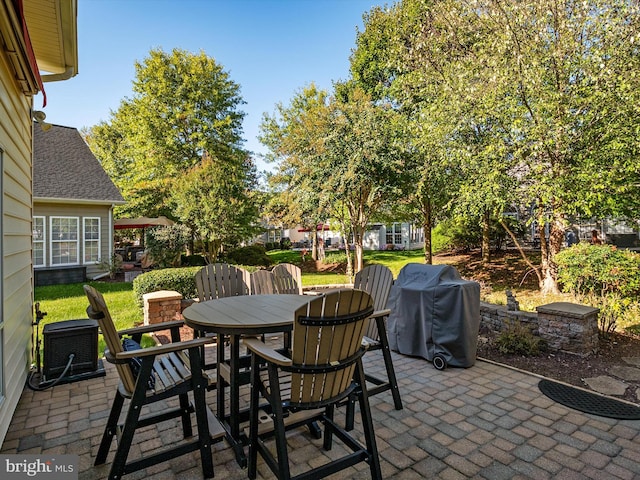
(39, 242)
(394, 234)
(64, 245)
(91, 239)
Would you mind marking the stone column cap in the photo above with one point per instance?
(567, 309)
(163, 294)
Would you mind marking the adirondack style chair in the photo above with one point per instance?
(324, 368)
(288, 278)
(165, 371)
(263, 282)
(377, 280)
(218, 280)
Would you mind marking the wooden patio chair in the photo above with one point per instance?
(219, 280)
(324, 368)
(165, 371)
(377, 280)
(288, 278)
(263, 282)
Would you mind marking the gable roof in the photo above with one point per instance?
(64, 168)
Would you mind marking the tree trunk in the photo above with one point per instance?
(549, 247)
(426, 227)
(358, 250)
(314, 243)
(486, 240)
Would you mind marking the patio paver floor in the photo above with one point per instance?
(487, 421)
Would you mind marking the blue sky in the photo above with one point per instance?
(271, 48)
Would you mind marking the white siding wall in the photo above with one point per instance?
(80, 211)
(16, 274)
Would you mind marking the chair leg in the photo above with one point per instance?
(350, 413)
(278, 424)
(110, 429)
(200, 404)
(328, 428)
(367, 424)
(253, 418)
(388, 363)
(187, 429)
(129, 428)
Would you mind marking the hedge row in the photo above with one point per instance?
(181, 280)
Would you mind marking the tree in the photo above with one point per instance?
(217, 200)
(183, 105)
(530, 100)
(345, 150)
(378, 66)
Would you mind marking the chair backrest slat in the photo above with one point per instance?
(341, 316)
(263, 282)
(377, 281)
(99, 311)
(288, 278)
(219, 280)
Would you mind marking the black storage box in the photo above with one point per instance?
(61, 339)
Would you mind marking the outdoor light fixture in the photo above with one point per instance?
(39, 116)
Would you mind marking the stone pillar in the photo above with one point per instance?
(569, 327)
(162, 306)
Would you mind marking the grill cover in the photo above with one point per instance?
(434, 311)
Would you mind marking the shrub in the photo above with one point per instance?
(604, 277)
(519, 340)
(254, 255)
(285, 243)
(165, 244)
(586, 269)
(181, 280)
(192, 260)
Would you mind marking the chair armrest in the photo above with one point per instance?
(381, 313)
(151, 328)
(161, 349)
(266, 352)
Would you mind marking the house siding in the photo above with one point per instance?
(80, 211)
(16, 274)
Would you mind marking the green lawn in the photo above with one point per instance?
(68, 302)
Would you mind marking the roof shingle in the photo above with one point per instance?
(64, 167)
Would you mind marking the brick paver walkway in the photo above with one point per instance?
(486, 422)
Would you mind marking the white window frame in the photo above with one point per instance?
(53, 241)
(395, 230)
(42, 241)
(86, 241)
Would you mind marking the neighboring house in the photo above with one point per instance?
(73, 200)
(43, 37)
(396, 236)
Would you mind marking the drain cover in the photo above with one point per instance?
(588, 402)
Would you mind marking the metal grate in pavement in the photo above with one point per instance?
(588, 402)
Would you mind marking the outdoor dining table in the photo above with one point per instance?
(234, 317)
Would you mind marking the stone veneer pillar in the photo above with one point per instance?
(162, 306)
(569, 327)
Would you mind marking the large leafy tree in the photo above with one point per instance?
(218, 200)
(532, 100)
(345, 151)
(183, 106)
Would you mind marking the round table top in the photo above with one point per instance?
(245, 314)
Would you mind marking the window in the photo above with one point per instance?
(394, 234)
(274, 235)
(91, 245)
(39, 242)
(64, 240)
